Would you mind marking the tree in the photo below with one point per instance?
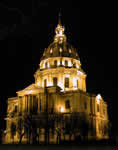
(27, 126)
(30, 128)
(83, 126)
(107, 130)
(20, 129)
(13, 130)
(84, 129)
(79, 125)
(58, 131)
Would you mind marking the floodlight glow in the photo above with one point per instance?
(98, 98)
(38, 83)
(61, 109)
(31, 91)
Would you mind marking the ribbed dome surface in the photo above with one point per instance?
(63, 49)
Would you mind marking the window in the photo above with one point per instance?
(103, 111)
(66, 82)
(85, 105)
(54, 81)
(77, 84)
(60, 50)
(46, 65)
(45, 82)
(15, 109)
(52, 110)
(66, 63)
(55, 63)
(40, 106)
(60, 61)
(91, 105)
(67, 104)
(35, 104)
(69, 50)
(51, 51)
(98, 108)
(74, 65)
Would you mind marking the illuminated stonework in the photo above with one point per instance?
(61, 71)
(59, 89)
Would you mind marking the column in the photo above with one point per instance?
(29, 104)
(23, 104)
(94, 107)
(38, 103)
(32, 102)
(26, 101)
(81, 83)
(101, 109)
(18, 105)
(91, 111)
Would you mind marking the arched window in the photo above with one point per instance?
(103, 111)
(61, 61)
(66, 82)
(74, 65)
(45, 83)
(55, 63)
(85, 105)
(15, 109)
(77, 84)
(98, 109)
(66, 63)
(55, 81)
(51, 51)
(46, 65)
(67, 104)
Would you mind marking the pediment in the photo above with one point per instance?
(31, 87)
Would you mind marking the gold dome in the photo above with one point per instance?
(57, 49)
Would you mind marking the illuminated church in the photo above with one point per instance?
(53, 106)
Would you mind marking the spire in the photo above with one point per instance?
(59, 19)
(60, 36)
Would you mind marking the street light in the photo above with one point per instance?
(61, 109)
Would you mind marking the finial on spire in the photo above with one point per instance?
(60, 36)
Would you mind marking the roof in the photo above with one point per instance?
(63, 49)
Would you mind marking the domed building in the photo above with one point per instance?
(57, 106)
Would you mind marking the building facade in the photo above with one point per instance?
(57, 106)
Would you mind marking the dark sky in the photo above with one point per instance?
(27, 28)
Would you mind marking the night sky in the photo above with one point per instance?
(27, 28)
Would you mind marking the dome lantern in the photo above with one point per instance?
(60, 47)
